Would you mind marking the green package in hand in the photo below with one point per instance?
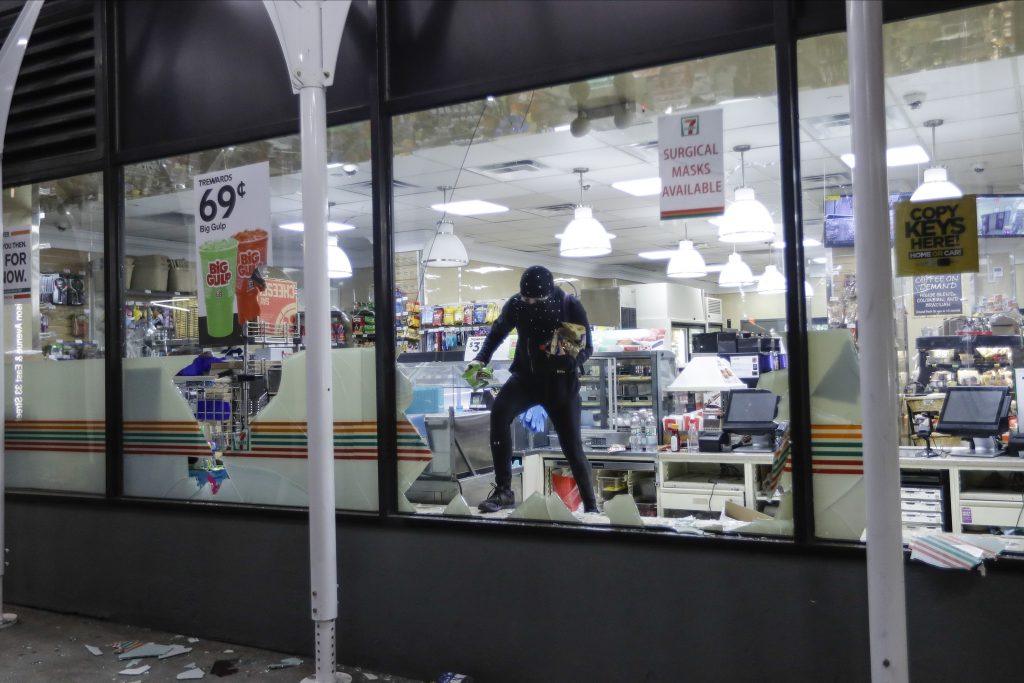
(478, 376)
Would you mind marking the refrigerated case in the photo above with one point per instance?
(615, 385)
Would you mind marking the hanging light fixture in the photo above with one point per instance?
(445, 250)
(584, 236)
(736, 273)
(746, 219)
(338, 265)
(936, 183)
(686, 261)
(771, 281)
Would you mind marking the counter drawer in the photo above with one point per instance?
(922, 517)
(921, 506)
(698, 501)
(919, 493)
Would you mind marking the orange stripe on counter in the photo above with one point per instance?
(97, 423)
(56, 449)
(855, 428)
(837, 435)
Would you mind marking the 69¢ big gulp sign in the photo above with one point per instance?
(936, 238)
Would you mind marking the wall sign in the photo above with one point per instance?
(278, 306)
(938, 295)
(691, 165)
(17, 264)
(232, 218)
(937, 238)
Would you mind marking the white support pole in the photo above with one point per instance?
(887, 618)
(10, 64)
(310, 34)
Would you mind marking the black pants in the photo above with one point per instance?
(559, 395)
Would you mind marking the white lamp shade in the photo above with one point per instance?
(706, 373)
(735, 273)
(686, 262)
(446, 250)
(338, 265)
(772, 281)
(746, 219)
(585, 236)
(936, 185)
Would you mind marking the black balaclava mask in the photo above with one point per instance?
(536, 282)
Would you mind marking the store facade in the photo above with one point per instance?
(118, 457)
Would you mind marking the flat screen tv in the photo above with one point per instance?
(838, 220)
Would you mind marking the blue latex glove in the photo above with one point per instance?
(534, 419)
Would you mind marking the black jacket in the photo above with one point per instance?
(535, 324)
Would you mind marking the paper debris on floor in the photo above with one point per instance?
(192, 674)
(136, 671)
(370, 677)
(147, 650)
(286, 663)
(193, 640)
(175, 651)
(94, 650)
(125, 645)
(132, 664)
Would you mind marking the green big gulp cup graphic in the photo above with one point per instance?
(217, 260)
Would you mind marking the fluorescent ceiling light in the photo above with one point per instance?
(897, 156)
(469, 207)
(336, 164)
(432, 276)
(562, 129)
(483, 270)
(658, 255)
(808, 242)
(332, 226)
(645, 187)
(22, 42)
(819, 260)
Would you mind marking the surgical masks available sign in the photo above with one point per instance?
(936, 238)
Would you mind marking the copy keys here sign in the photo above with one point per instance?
(936, 238)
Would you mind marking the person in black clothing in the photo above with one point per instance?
(540, 375)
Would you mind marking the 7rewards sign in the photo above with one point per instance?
(936, 238)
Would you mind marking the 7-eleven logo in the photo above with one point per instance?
(690, 125)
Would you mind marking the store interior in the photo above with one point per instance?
(505, 176)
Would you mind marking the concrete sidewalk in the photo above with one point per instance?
(49, 647)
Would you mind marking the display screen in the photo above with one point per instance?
(839, 229)
(752, 406)
(980, 406)
(1000, 215)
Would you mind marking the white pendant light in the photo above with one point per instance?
(736, 273)
(445, 250)
(936, 183)
(772, 281)
(584, 236)
(686, 262)
(746, 219)
(338, 265)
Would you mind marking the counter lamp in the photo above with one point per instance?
(706, 373)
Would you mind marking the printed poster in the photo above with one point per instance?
(691, 164)
(938, 295)
(232, 219)
(18, 263)
(937, 238)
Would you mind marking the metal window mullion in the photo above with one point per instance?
(383, 270)
(796, 304)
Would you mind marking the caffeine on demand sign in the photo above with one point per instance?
(936, 238)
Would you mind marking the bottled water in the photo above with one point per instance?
(692, 443)
(634, 432)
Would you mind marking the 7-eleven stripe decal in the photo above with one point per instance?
(836, 449)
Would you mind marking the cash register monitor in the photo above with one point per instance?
(976, 414)
(751, 412)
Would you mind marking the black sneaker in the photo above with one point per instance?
(500, 499)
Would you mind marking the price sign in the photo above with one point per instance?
(473, 346)
(232, 219)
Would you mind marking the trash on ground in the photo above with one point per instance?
(286, 663)
(135, 672)
(193, 640)
(224, 667)
(175, 651)
(94, 650)
(191, 674)
(147, 650)
(125, 645)
(370, 677)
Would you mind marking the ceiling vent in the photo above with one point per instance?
(552, 210)
(825, 181)
(510, 170)
(54, 107)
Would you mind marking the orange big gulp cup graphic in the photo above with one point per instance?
(252, 253)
